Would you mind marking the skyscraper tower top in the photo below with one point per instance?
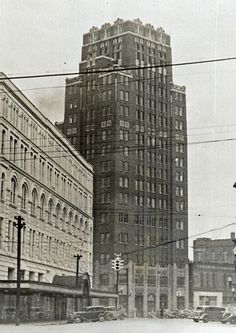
(120, 27)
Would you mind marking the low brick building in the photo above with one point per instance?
(211, 272)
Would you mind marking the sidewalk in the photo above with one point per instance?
(37, 323)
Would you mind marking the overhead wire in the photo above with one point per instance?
(109, 70)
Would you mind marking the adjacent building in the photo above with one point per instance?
(47, 182)
(128, 118)
(212, 273)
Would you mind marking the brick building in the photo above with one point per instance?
(211, 272)
(129, 120)
(50, 185)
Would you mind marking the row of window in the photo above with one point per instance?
(19, 152)
(60, 218)
(37, 244)
(140, 220)
(16, 116)
(140, 201)
(36, 164)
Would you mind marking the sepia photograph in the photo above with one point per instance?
(117, 166)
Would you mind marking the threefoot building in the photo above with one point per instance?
(50, 185)
(128, 118)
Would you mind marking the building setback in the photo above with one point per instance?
(129, 120)
(50, 185)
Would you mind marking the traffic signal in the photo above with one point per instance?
(117, 264)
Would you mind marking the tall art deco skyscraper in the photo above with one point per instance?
(125, 115)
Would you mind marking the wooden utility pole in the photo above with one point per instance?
(78, 257)
(19, 225)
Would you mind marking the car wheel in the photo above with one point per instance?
(109, 316)
(196, 320)
(101, 318)
(205, 320)
(121, 317)
(233, 321)
(78, 320)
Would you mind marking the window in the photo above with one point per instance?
(124, 182)
(163, 281)
(11, 273)
(123, 238)
(58, 209)
(123, 198)
(123, 217)
(180, 281)
(13, 191)
(2, 188)
(42, 206)
(3, 142)
(23, 196)
(50, 206)
(104, 136)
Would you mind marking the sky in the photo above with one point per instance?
(45, 36)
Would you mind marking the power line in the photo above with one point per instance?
(176, 240)
(141, 79)
(131, 148)
(110, 70)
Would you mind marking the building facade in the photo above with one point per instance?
(212, 273)
(47, 182)
(128, 119)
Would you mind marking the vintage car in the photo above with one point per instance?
(229, 317)
(208, 313)
(185, 313)
(91, 313)
(113, 314)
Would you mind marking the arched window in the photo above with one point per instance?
(42, 206)
(3, 142)
(151, 302)
(58, 208)
(81, 224)
(76, 221)
(24, 196)
(2, 189)
(13, 190)
(75, 225)
(70, 222)
(64, 219)
(50, 205)
(34, 201)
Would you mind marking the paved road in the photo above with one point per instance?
(125, 326)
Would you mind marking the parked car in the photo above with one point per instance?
(208, 313)
(185, 313)
(113, 314)
(91, 313)
(229, 317)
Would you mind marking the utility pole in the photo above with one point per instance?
(19, 225)
(117, 288)
(127, 288)
(78, 257)
(117, 265)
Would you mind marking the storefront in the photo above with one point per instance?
(47, 301)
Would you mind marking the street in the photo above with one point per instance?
(126, 326)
